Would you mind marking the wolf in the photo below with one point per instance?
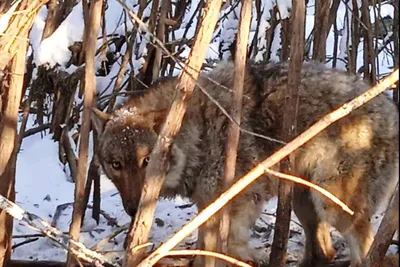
(356, 158)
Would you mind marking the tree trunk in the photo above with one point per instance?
(90, 88)
(281, 235)
(236, 112)
(383, 238)
(321, 28)
(369, 50)
(13, 47)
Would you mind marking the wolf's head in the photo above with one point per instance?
(126, 139)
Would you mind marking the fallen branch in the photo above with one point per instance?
(259, 170)
(313, 186)
(27, 241)
(38, 224)
(30, 263)
(37, 129)
(27, 263)
(208, 254)
(104, 241)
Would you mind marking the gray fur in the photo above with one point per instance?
(356, 158)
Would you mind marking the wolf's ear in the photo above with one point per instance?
(99, 120)
(158, 119)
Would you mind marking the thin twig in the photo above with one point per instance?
(104, 241)
(313, 186)
(27, 241)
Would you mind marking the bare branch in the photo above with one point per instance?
(91, 30)
(289, 131)
(234, 130)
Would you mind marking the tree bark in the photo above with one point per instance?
(321, 28)
(161, 35)
(155, 172)
(236, 112)
(13, 47)
(396, 45)
(355, 36)
(90, 88)
(383, 238)
(281, 235)
(369, 50)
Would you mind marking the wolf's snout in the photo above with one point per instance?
(130, 208)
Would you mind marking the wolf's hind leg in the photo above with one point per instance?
(318, 248)
(359, 235)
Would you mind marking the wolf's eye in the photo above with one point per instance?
(116, 165)
(146, 161)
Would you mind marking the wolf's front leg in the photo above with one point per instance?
(318, 247)
(245, 210)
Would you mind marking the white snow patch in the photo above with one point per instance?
(54, 49)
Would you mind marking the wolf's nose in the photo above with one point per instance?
(131, 210)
